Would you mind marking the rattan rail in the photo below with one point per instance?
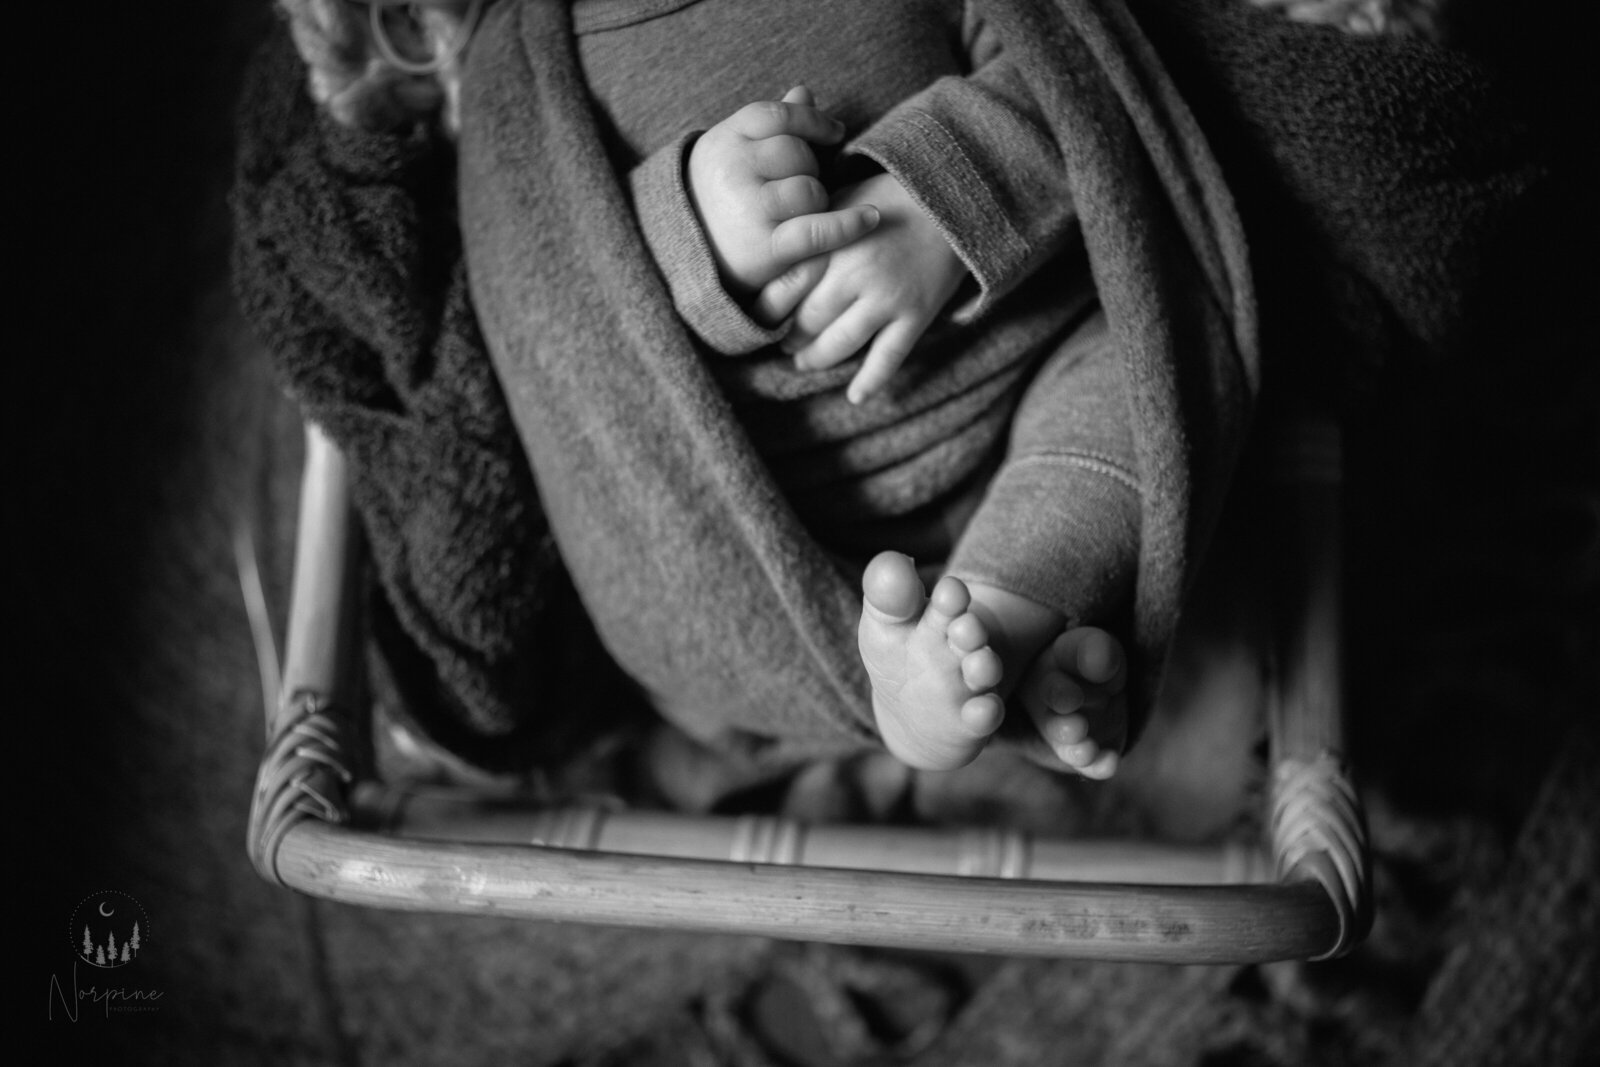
(318, 828)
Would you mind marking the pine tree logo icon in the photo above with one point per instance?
(109, 929)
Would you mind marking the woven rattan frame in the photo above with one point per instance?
(987, 891)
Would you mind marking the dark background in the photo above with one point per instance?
(145, 408)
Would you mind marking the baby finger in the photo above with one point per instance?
(795, 118)
(787, 198)
(811, 235)
(841, 339)
(784, 156)
(778, 298)
(889, 350)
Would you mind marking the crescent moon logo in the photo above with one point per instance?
(109, 929)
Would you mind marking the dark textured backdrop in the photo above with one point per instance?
(1476, 587)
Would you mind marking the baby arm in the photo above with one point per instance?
(753, 182)
(983, 170)
(882, 291)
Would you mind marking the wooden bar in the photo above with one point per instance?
(993, 852)
(322, 633)
(1192, 924)
(1309, 706)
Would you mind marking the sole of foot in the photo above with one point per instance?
(933, 673)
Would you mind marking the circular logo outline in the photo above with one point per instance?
(108, 929)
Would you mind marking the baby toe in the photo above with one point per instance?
(1099, 656)
(950, 598)
(1062, 731)
(967, 633)
(1062, 695)
(1103, 767)
(890, 587)
(982, 670)
(1080, 755)
(983, 714)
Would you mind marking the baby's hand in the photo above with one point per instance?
(885, 288)
(753, 181)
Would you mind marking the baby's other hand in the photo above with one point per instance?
(884, 289)
(753, 181)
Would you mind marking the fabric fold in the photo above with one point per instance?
(695, 571)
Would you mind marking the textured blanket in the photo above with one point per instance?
(1371, 194)
(348, 264)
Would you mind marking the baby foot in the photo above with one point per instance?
(933, 672)
(1074, 694)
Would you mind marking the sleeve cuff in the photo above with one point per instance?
(673, 234)
(926, 158)
(983, 171)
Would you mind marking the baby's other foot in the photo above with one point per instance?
(1074, 695)
(932, 670)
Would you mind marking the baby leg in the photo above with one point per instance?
(1060, 523)
(933, 672)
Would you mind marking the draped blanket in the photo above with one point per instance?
(694, 571)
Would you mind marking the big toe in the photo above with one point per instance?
(1091, 654)
(891, 587)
